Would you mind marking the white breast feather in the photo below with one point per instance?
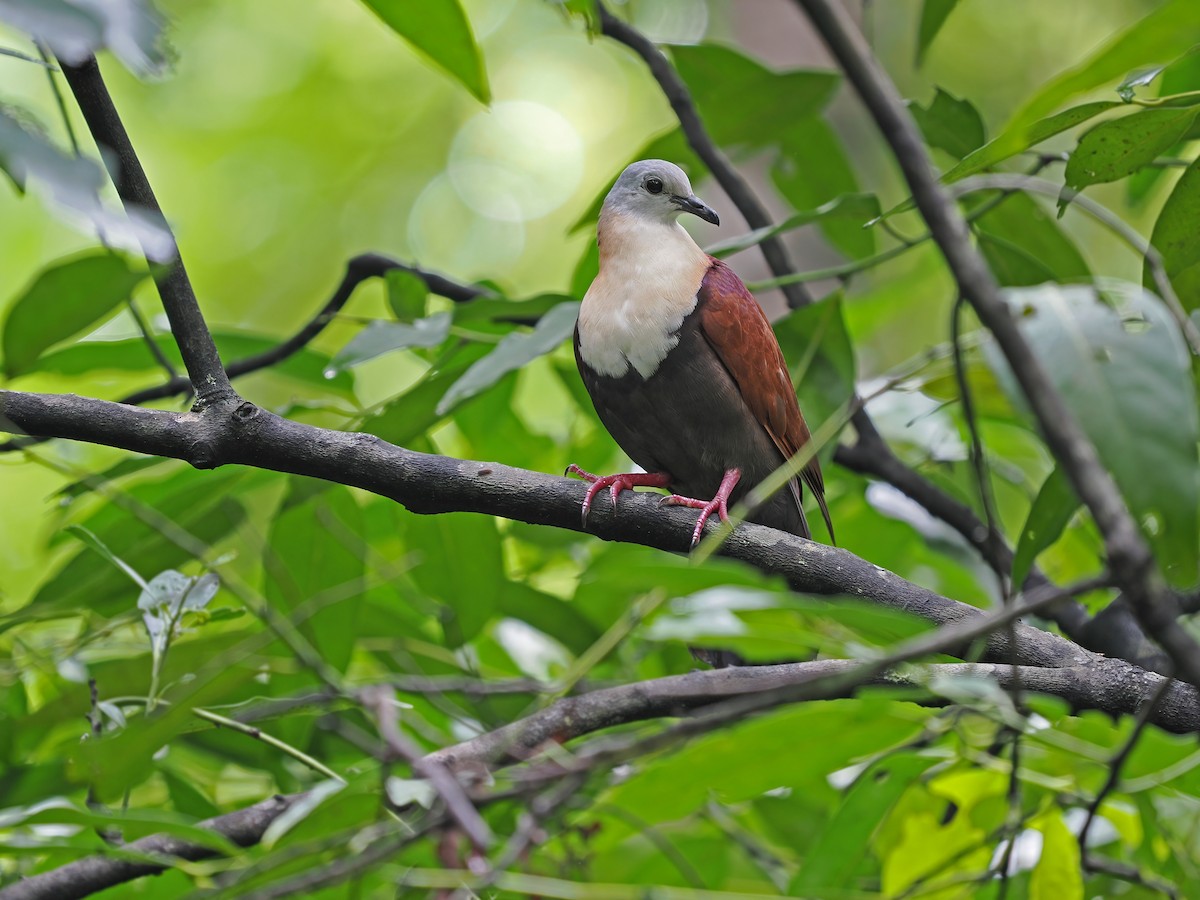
(649, 275)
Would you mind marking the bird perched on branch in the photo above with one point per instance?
(682, 365)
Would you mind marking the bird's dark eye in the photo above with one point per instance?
(654, 185)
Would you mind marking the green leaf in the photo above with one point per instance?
(381, 337)
(827, 864)
(1051, 511)
(315, 545)
(198, 502)
(100, 547)
(812, 170)
(1177, 237)
(69, 297)
(1136, 79)
(741, 101)
(818, 349)
(949, 123)
(460, 566)
(1166, 32)
(1058, 874)
(406, 294)
(1107, 351)
(933, 16)
(514, 351)
(1120, 147)
(439, 30)
(996, 151)
(1024, 245)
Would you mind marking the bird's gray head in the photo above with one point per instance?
(657, 190)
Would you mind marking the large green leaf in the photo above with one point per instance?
(514, 351)
(1119, 147)
(199, 503)
(1120, 363)
(741, 101)
(949, 123)
(1177, 237)
(1058, 874)
(65, 299)
(460, 566)
(315, 548)
(1051, 511)
(440, 31)
(1025, 246)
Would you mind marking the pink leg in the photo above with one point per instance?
(717, 504)
(616, 484)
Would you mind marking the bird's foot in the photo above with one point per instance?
(615, 483)
(718, 504)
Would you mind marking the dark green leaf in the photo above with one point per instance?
(381, 337)
(1025, 246)
(440, 31)
(198, 502)
(1120, 147)
(496, 309)
(1051, 511)
(827, 864)
(128, 466)
(461, 567)
(64, 300)
(514, 351)
(818, 349)
(315, 549)
(741, 101)
(950, 124)
(1106, 354)
(406, 294)
(1177, 237)
(90, 540)
(933, 16)
(813, 170)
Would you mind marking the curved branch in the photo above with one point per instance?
(1129, 556)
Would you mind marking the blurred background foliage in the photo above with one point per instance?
(283, 138)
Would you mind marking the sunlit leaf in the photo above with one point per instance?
(1051, 511)
(64, 300)
(1119, 147)
(514, 351)
(381, 337)
(1058, 874)
(439, 30)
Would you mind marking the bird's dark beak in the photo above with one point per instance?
(696, 207)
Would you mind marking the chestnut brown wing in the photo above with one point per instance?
(737, 329)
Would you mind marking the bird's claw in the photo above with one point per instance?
(615, 484)
(716, 505)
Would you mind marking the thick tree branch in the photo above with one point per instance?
(235, 432)
(731, 181)
(208, 377)
(1109, 685)
(1129, 556)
